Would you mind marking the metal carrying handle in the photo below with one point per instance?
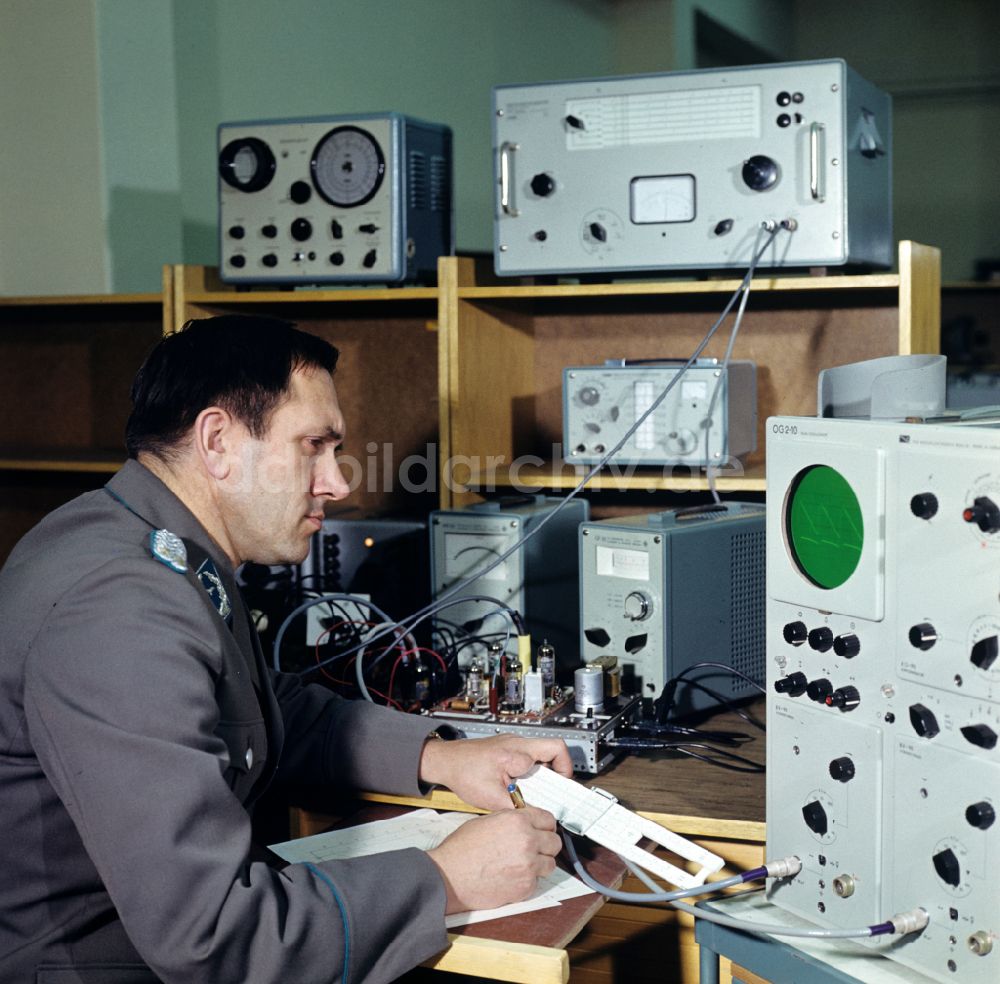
(816, 150)
(506, 161)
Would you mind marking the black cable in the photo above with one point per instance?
(708, 754)
(664, 704)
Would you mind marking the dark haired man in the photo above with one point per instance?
(139, 723)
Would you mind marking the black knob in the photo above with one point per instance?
(947, 867)
(269, 231)
(336, 229)
(760, 173)
(844, 698)
(923, 720)
(795, 633)
(723, 226)
(815, 817)
(236, 232)
(794, 684)
(337, 258)
(981, 735)
(597, 637)
(598, 232)
(984, 513)
(369, 228)
(923, 636)
(541, 235)
(575, 122)
(784, 120)
(819, 690)
(238, 261)
(300, 192)
(543, 185)
(842, 769)
(981, 815)
(370, 258)
(847, 645)
(783, 98)
(269, 260)
(821, 639)
(301, 230)
(924, 505)
(984, 652)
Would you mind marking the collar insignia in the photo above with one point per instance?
(208, 574)
(168, 548)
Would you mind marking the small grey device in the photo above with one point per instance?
(335, 199)
(679, 170)
(707, 418)
(539, 580)
(667, 590)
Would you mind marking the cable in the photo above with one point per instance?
(411, 621)
(903, 923)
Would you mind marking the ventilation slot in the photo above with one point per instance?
(420, 195)
(748, 615)
(440, 192)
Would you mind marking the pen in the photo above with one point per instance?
(515, 796)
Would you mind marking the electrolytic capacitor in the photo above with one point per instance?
(588, 690)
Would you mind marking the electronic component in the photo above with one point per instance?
(539, 580)
(336, 199)
(708, 418)
(883, 683)
(584, 733)
(667, 590)
(680, 170)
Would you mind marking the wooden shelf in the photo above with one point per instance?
(61, 460)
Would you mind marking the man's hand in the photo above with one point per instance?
(479, 769)
(496, 859)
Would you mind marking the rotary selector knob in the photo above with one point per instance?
(984, 513)
(269, 231)
(589, 396)
(842, 769)
(795, 633)
(760, 173)
(543, 185)
(947, 867)
(269, 260)
(847, 645)
(816, 818)
(598, 232)
(637, 606)
(301, 230)
(819, 690)
(923, 636)
(980, 735)
(923, 720)
(984, 652)
(924, 505)
(300, 192)
(981, 815)
(844, 698)
(794, 684)
(821, 639)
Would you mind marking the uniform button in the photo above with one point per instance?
(249, 758)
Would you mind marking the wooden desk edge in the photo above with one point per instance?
(502, 961)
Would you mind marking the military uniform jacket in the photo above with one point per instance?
(132, 743)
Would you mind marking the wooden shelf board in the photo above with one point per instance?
(60, 460)
(887, 281)
(310, 296)
(560, 475)
(77, 300)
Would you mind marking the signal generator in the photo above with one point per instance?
(883, 621)
(539, 580)
(667, 590)
(336, 199)
(680, 170)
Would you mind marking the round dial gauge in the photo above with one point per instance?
(347, 166)
(246, 164)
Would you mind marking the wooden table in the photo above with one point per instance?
(621, 942)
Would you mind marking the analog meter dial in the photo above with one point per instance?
(246, 164)
(348, 166)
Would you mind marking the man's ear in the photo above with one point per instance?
(215, 441)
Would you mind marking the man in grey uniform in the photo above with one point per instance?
(139, 722)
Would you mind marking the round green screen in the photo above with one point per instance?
(825, 527)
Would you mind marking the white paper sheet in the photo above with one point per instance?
(422, 829)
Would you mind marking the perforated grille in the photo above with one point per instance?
(419, 183)
(747, 592)
(440, 192)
